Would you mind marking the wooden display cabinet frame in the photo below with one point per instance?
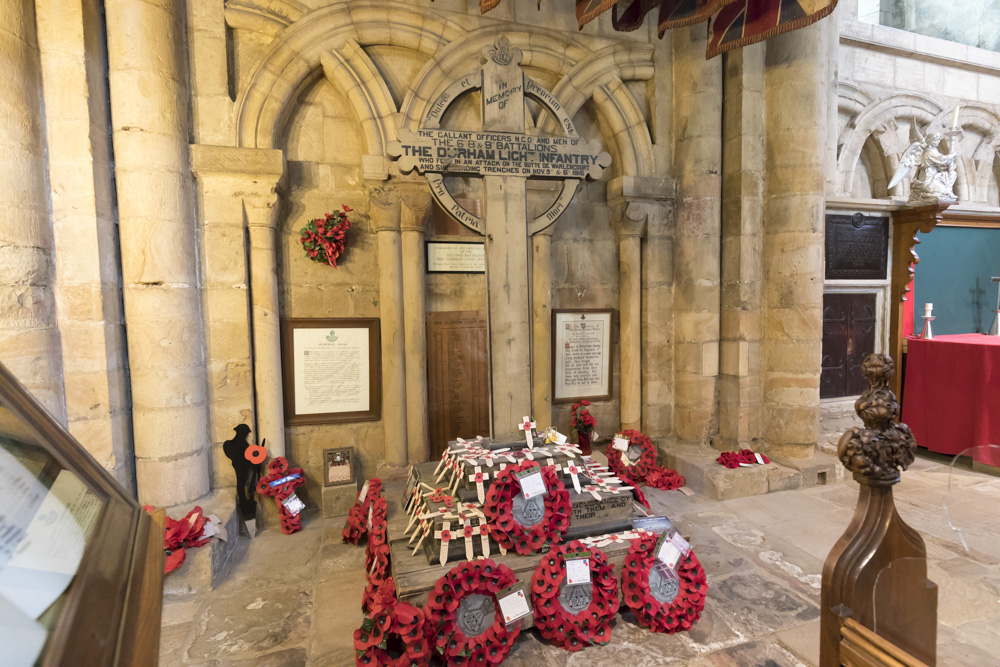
(112, 609)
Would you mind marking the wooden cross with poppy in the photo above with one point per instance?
(445, 536)
(478, 476)
(526, 425)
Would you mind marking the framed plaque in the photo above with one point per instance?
(332, 370)
(456, 257)
(582, 360)
(339, 466)
(857, 247)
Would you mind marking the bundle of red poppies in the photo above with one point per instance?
(581, 419)
(376, 553)
(182, 534)
(644, 471)
(325, 239)
(507, 532)
(478, 577)
(734, 459)
(392, 627)
(356, 526)
(684, 610)
(591, 625)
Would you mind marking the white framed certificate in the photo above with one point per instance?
(582, 359)
(332, 370)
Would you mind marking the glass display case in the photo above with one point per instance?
(81, 563)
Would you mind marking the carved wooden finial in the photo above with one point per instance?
(884, 447)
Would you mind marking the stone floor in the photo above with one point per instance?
(295, 600)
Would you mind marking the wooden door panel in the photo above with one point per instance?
(860, 339)
(836, 322)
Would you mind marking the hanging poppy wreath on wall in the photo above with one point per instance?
(643, 469)
(356, 526)
(574, 617)
(392, 628)
(661, 604)
(325, 239)
(463, 616)
(527, 525)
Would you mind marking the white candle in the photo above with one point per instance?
(954, 117)
(928, 307)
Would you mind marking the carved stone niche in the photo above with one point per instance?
(876, 573)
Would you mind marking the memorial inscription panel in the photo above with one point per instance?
(857, 247)
(581, 354)
(458, 377)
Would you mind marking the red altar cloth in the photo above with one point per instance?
(951, 399)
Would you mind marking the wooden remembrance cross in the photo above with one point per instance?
(505, 156)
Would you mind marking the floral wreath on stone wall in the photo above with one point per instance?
(356, 526)
(459, 610)
(499, 509)
(666, 605)
(566, 618)
(644, 470)
(392, 627)
(325, 239)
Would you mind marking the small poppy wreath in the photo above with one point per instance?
(591, 625)
(325, 239)
(644, 471)
(500, 517)
(734, 459)
(356, 526)
(683, 611)
(391, 625)
(477, 577)
(377, 551)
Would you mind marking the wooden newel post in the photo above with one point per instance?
(876, 574)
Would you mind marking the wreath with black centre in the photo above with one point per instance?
(527, 525)
(662, 604)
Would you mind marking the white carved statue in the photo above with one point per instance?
(935, 178)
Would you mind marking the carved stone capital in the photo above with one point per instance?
(384, 208)
(634, 201)
(877, 452)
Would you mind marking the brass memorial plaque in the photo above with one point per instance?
(458, 377)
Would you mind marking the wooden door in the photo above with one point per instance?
(848, 337)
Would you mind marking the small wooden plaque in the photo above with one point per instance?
(338, 466)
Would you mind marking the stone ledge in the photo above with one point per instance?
(206, 567)
(703, 474)
(816, 470)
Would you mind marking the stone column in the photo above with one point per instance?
(415, 217)
(795, 83)
(166, 340)
(29, 337)
(698, 163)
(541, 327)
(384, 213)
(88, 301)
(742, 220)
(237, 198)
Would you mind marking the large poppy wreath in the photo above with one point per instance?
(660, 603)
(643, 469)
(463, 616)
(577, 616)
(527, 525)
(389, 628)
(356, 526)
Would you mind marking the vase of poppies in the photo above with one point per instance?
(584, 424)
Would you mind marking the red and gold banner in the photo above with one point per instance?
(732, 23)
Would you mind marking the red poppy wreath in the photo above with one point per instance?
(574, 616)
(662, 604)
(643, 469)
(325, 239)
(376, 551)
(734, 459)
(356, 526)
(392, 628)
(463, 616)
(527, 525)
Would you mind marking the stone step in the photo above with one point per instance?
(206, 567)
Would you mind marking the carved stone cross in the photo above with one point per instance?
(506, 156)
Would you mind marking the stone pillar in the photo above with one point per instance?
(415, 217)
(795, 83)
(237, 198)
(88, 301)
(742, 220)
(166, 340)
(698, 164)
(29, 337)
(384, 213)
(541, 327)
